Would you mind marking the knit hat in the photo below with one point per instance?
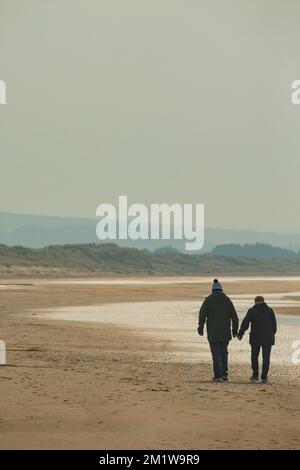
(217, 286)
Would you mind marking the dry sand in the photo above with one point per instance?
(71, 384)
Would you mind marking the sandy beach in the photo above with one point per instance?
(116, 363)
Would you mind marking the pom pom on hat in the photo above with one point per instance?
(217, 286)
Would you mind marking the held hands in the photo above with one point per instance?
(236, 335)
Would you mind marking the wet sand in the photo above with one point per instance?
(140, 380)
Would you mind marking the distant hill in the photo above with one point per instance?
(261, 251)
(37, 231)
(112, 259)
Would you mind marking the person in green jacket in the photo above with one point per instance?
(222, 322)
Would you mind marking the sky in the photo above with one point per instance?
(183, 101)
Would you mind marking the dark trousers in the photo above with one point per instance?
(266, 352)
(219, 354)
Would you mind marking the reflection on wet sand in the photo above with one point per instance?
(176, 323)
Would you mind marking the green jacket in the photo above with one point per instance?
(220, 316)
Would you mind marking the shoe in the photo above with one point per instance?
(264, 381)
(253, 378)
(217, 379)
(225, 379)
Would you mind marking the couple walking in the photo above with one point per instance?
(222, 322)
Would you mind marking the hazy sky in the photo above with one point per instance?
(162, 100)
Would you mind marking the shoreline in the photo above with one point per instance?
(97, 291)
(62, 275)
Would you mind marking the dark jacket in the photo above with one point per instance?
(219, 313)
(263, 324)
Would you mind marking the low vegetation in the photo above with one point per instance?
(112, 259)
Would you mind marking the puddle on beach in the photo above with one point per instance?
(171, 280)
(14, 286)
(175, 323)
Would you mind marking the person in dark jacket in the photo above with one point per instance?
(262, 335)
(221, 319)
